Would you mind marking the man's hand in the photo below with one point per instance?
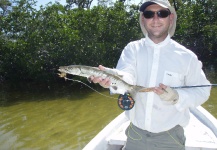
(103, 82)
(167, 94)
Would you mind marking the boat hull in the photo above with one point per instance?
(201, 133)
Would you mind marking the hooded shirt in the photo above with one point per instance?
(147, 64)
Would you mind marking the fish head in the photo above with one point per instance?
(69, 70)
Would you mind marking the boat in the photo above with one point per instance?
(201, 132)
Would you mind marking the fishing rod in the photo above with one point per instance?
(150, 89)
(125, 101)
(194, 86)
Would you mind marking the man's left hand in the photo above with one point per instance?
(167, 94)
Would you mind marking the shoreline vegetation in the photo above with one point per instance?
(34, 43)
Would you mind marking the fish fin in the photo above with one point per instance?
(141, 89)
(146, 89)
(120, 76)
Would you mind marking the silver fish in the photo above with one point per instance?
(118, 85)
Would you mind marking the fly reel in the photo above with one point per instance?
(125, 101)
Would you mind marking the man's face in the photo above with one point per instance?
(156, 26)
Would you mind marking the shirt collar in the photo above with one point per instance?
(163, 43)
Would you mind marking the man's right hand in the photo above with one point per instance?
(103, 82)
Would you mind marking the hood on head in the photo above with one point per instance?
(162, 3)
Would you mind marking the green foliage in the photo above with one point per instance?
(78, 3)
(34, 43)
(4, 7)
(196, 28)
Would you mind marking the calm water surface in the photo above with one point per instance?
(47, 117)
(52, 118)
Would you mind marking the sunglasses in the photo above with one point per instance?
(161, 14)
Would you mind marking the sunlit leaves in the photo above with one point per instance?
(5, 7)
(43, 40)
(196, 28)
(34, 43)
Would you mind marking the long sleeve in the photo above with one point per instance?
(193, 97)
(127, 64)
(147, 64)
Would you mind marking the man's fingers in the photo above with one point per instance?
(101, 67)
(105, 83)
(95, 79)
(158, 90)
(162, 86)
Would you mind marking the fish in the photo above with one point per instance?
(117, 86)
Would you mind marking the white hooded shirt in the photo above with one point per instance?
(147, 64)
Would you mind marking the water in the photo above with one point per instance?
(54, 117)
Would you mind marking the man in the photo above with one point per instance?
(158, 117)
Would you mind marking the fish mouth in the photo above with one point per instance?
(61, 69)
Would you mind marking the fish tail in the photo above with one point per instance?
(137, 89)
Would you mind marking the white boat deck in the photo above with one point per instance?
(198, 135)
(201, 133)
